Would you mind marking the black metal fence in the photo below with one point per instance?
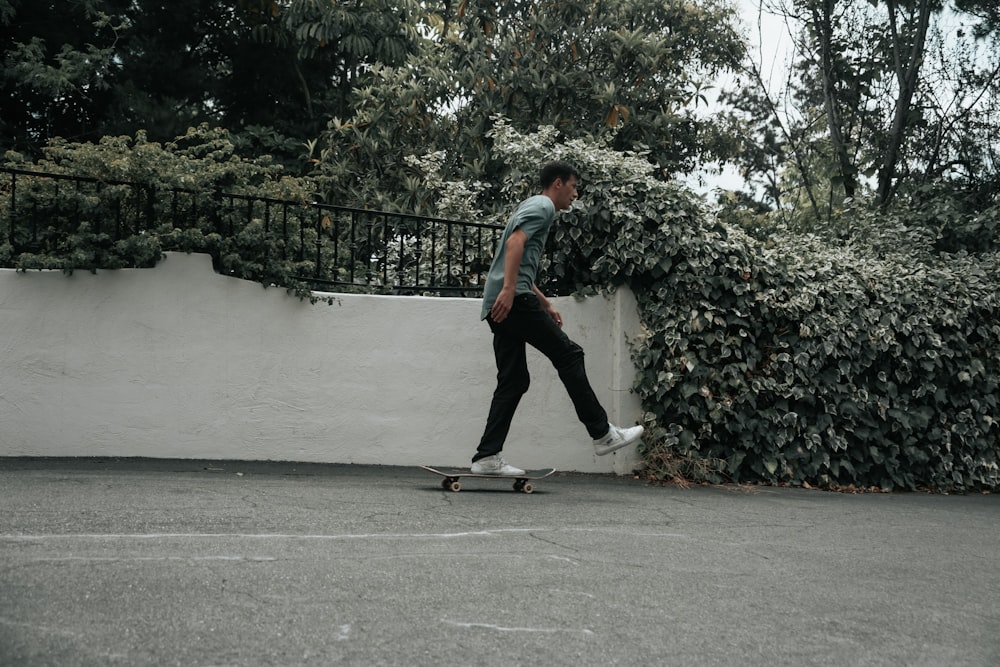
(326, 247)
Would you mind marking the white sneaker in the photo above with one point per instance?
(617, 438)
(495, 465)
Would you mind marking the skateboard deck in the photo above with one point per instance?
(522, 483)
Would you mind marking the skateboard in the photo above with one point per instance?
(522, 483)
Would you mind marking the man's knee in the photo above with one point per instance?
(516, 385)
(570, 357)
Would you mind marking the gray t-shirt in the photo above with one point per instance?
(534, 217)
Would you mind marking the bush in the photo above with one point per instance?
(870, 361)
(148, 198)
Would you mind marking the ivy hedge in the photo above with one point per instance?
(868, 360)
(133, 178)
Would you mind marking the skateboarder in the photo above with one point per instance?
(518, 314)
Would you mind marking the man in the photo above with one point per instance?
(518, 314)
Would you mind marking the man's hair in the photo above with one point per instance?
(557, 170)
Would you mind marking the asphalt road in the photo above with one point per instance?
(141, 562)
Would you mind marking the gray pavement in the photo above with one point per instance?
(141, 562)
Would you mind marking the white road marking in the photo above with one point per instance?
(60, 559)
(500, 628)
(24, 537)
(568, 560)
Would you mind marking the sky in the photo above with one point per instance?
(771, 46)
(769, 37)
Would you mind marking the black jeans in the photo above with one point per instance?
(528, 324)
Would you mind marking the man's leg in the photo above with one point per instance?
(536, 327)
(544, 334)
(512, 383)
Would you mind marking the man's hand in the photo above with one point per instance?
(501, 307)
(547, 306)
(511, 264)
(554, 314)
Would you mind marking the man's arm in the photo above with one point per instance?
(547, 305)
(514, 248)
(514, 251)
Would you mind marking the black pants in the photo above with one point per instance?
(528, 324)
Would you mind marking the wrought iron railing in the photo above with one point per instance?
(325, 246)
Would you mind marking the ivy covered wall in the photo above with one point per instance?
(864, 359)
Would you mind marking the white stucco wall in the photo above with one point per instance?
(180, 362)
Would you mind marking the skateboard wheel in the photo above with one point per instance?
(527, 487)
(446, 484)
(455, 486)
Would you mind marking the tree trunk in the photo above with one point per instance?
(823, 21)
(907, 75)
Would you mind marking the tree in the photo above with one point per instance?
(330, 47)
(635, 68)
(897, 94)
(907, 47)
(87, 69)
(55, 67)
(986, 12)
(631, 70)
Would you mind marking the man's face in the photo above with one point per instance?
(565, 193)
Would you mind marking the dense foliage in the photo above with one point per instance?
(850, 362)
(271, 72)
(144, 198)
(349, 89)
(632, 71)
